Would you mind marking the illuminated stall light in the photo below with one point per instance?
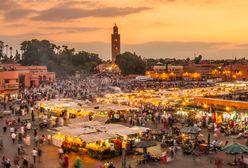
(205, 106)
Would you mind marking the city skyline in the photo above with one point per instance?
(215, 29)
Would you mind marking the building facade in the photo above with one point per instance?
(14, 76)
(9, 82)
(203, 69)
(115, 44)
(166, 72)
(235, 72)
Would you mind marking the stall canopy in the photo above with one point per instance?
(82, 106)
(61, 103)
(88, 138)
(124, 131)
(98, 107)
(140, 129)
(75, 132)
(235, 148)
(109, 127)
(86, 124)
(191, 130)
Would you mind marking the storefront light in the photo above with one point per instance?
(228, 108)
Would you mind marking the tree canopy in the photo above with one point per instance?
(198, 59)
(130, 63)
(60, 59)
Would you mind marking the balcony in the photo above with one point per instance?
(11, 86)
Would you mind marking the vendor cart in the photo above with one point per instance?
(189, 138)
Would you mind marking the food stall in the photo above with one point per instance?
(58, 107)
(99, 144)
(98, 139)
(189, 138)
(114, 112)
(70, 135)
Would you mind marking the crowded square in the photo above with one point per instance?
(123, 84)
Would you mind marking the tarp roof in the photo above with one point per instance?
(88, 138)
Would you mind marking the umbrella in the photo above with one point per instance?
(191, 130)
(235, 148)
(145, 144)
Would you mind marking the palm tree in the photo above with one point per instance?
(1, 49)
(17, 56)
(7, 47)
(57, 53)
(11, 55)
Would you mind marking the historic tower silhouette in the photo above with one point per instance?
(115, 43)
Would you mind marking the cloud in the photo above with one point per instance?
(14, 25)
(74, 3)
(72, 29)
(17, 14)
(192, 2)
(178, 50)
(160, 49)
(53, 31)
(62, 10)
(6, 5)
(68, 13)
(29, 35)
(172, 49)
(209, 50)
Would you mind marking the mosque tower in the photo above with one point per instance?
(115, 44)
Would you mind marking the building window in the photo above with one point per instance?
(6, 81)
(16, 80)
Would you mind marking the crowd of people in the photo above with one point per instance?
(150, 114)
(24, 133)
(25, 136)
(132, 85)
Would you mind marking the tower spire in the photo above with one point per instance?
(115, 42)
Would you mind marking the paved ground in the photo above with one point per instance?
(50, 158)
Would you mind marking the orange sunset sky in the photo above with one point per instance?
(151, 28)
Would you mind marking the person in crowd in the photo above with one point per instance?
(34, 154)
(7, 163)
(98, 165)
(25, 163)
(164, 156)
(66, 161)
(106, 165)
(4, 128)
(77, 162)
(3, 161)
(13, 137)
(60, 152)
(49, 139)
(111, 165)
(39, 153)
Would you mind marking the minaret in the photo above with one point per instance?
(115, 43)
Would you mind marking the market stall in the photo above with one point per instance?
(70, 135)
(189, 138)
(99, 144)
